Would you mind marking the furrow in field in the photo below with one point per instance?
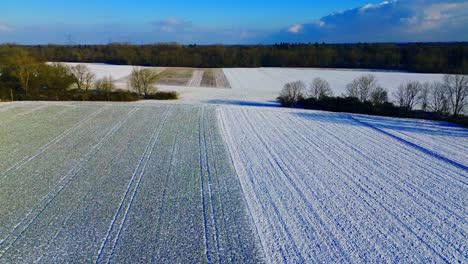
(55, 140)
(409, 157)
(38, 130)
(129, 195)
(164, 199)
(236, 237)
(202, 193)
(297, 187)
(293, 147)
(94, 196)
(400, 190)
(167, 187)
(29, 219)
(431, 208)
(415, 146)
(247, 233)
(25, 187)
(447, 141)
(430, 183)
(437, 210)
(338, 198)
(351, 187)
(11, 109)
(208, 177)
(12, 117)
(262, 183)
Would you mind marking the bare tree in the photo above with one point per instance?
(439, 98)
(407, 94)
(319, 88)
(105, 84)
(457, 87)
(84, 78)
(292, 93)
(362, 87)
(142, 81)
(424, 95)
(379, 95)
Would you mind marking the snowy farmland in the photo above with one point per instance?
(190, 183)
(260, 85)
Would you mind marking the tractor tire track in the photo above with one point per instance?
(61, 185)
(139, 171)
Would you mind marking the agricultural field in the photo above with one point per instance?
(197, 183)
(326, 187)
(114, 183)
(252, 85)
(168, 76)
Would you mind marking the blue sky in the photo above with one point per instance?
(262, 13)
(231, 22)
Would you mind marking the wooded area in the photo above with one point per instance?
(415, 57)
(26, 76)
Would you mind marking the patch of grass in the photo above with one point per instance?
(209, 79)
(172, 73)
(175, 76)
(162, 96)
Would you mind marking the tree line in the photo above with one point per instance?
(440, 100)
(416, 57)
(26, 76)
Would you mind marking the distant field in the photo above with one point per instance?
(168, 76)
(146, 182)
(259, 85)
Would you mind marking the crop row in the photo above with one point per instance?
(125, 183)
(323, 187)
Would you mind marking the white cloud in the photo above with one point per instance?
(171, 24)
(295, 29)
(389, 21)
(5, 29)
(373, 6)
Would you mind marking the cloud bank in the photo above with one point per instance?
(389, 21)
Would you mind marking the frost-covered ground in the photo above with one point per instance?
(190, 183)
(119, 183)
(326, 187)
(263, 85)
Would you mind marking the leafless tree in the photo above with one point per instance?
(292, 93)
(439, 98)
(407, 94)
(424, 95)
(379, 95)
(457, 87)
(83, 76)
(105, 84)
(319, 88)
(362, 87)
(142, 81)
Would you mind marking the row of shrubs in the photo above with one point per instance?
(354, 105)
(99, 95)
(445, 101)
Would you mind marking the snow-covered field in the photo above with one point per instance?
(119, 183)
(263, 85)
(189, 183)
(333, 188)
